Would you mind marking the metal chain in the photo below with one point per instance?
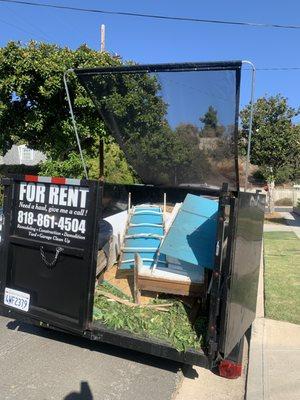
(51, 264)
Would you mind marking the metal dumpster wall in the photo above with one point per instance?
(243, 272)
(59, 292)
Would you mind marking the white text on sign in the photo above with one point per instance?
(57, 195)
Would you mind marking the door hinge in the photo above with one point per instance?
(212, 346)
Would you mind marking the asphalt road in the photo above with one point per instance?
(39, 364)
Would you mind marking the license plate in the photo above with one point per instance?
(15, 298)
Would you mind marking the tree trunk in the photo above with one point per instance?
(271, 205)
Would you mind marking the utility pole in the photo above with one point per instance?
(101, 141)
(102, 34)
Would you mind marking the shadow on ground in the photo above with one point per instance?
(84, 394)
(189, 372)
(294, 222)
(105, 348)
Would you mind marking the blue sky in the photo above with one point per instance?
(155, 41)
(189, 95)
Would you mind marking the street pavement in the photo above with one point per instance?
(38, 364)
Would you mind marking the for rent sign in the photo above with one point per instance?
(49, 246)
(53, 213)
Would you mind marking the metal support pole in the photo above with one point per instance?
(101, 160)
(74, 122)
(250, 120)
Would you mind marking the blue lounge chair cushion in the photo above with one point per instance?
(138, 230)
(148, 216)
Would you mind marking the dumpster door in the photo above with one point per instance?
(48, 249)
(242, 280)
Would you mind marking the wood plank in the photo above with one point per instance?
(136, 291)
(171, 287)
(101, 262)
(158, 307)
(125, 284)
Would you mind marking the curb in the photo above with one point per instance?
(255, 375)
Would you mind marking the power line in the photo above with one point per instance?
(31, 24)
(279, 69)
(18, 27)
(153, 16)
(274, 69)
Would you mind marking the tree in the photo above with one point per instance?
(137, 117)
(33, 106)
(116, 168)
(211, 125)
(210, 118)
(190, 162)
(34, 110)
(275, 143)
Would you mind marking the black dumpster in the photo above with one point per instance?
(177, 127)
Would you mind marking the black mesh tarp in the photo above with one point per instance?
(177, 124)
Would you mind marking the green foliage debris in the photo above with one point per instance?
(172, 326)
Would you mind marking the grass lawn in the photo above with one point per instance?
(282, 276)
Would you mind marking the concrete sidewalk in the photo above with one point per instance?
(274, 361)
(274, 357)
(205, 385)
(292, 224)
